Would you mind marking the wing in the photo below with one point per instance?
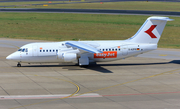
(83, 46)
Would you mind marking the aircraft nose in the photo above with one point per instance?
(9, 57)
(14, 56)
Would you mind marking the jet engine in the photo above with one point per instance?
(67, 57)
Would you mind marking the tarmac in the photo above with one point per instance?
(148, 81)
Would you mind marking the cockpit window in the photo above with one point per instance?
(26, 49)
(23, 49)
(20, 49)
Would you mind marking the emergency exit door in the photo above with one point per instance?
(125, 50)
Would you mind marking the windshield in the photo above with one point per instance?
(23, 50)
(20, 49)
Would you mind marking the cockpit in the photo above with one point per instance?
(23, 50)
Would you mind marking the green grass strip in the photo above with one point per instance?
(63, 26)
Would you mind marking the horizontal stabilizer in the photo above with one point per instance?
(160, 18)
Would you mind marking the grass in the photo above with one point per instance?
(138, 5)
(62, 26)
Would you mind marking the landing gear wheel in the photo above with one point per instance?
(18, 65)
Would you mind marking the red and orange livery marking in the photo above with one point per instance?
(106, 54)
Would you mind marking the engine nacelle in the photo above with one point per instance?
(67, 57)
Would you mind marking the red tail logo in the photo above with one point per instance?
(149, 31)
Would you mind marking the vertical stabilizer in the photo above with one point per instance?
(151, 30)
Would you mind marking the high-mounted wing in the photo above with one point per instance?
(82, 46)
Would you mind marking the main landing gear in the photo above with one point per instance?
(18, 65)
(83, 61)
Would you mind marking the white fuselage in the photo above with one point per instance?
(49, 52)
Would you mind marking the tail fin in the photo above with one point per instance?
(151, 30)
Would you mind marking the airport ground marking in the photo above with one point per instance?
(141, 94)
(74, 94)
(21, 97)
(10, 45)
(2, 57)
(78, 88)
(162, 55)
(168, 72)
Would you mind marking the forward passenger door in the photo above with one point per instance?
(34, 50)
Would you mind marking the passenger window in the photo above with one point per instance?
(106, 49)
(112, 49)
(56, 50)
(43, 50)
(49, 50)
(40, 50)
(109, 49)
(103, 49)
(116, 49)
(46, 50)
(119, 49)
(53, 50)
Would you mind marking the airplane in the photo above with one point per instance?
(85, 52)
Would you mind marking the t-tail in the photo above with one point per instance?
(150, 32)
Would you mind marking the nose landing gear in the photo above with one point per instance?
(18, 65)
